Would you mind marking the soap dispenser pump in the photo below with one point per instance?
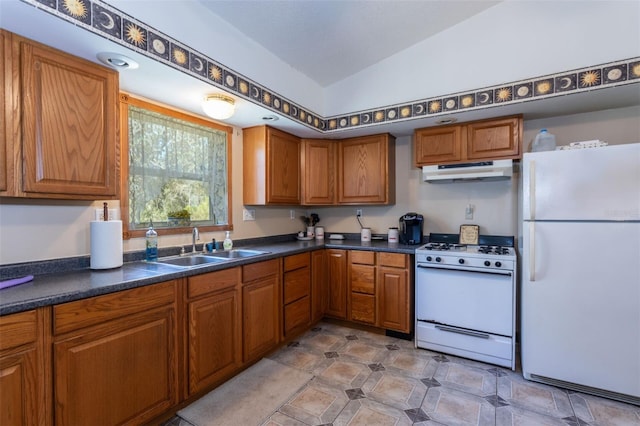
(227, 244)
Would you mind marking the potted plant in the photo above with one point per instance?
(179, 218)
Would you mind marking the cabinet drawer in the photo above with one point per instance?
(208, 283)
(395, 260)
(363, 257)
(296, 285)
(259, 270)
(297, 314)
(363, 279)
(363, 308)
(95, 310)
(296, 261)
(18, 329)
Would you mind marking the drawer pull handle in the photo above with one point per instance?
(461, 331)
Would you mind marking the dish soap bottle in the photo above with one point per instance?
(151, 251)
(227, 243)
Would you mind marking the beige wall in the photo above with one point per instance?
(37, 230)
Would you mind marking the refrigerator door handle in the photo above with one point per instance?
(532, 189)
(532, 251)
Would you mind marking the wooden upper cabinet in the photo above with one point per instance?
(5, 108)
(494, 138)
(475, 141)
(318, 162)
(271, 167)
(438, 145)
(366, 170)
(68, 135)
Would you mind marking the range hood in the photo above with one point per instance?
(464, 172)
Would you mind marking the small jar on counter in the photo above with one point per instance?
(392, 236)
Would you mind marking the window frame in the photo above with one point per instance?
(126, 100)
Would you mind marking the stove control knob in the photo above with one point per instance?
(438, 259)
(487, 263)
(498, 264)
(461, 261)
(429, 258)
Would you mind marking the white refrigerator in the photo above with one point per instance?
(580, 299)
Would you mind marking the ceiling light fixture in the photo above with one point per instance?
(218, 106)
(117, 61)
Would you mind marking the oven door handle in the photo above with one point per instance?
(462, 331)
(472, 271)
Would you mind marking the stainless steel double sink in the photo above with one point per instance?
(200, 259)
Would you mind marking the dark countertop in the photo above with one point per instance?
(60, 287)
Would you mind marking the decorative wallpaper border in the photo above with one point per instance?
(106, 21)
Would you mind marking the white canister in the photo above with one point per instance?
(365, 235)
(319, 233)
(392, 236)
(310, 232)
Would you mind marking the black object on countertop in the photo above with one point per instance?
(483, 240)
(410, 228)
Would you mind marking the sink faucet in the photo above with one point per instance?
(195, 236)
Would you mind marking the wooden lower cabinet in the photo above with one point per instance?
(260, 308)
(337, 283)
(319, 287)
(115, 357)
(25, 396)
(362, 286)
(393, 291)
(214, 345)
(296, 294)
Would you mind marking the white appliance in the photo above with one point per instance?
(581, 270)
(465, 298)
(464, 172)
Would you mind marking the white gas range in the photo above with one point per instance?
(465, 298)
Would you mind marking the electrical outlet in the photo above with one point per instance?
(359, 212)
(292, 214)
(248, 214)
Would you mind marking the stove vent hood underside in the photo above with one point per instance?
(465, 172)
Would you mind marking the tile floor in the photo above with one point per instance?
(362, 378)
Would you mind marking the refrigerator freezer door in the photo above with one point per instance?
(582, 184)
(581, 315)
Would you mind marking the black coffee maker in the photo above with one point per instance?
(410, 229)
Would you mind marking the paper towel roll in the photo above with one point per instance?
(106, 244)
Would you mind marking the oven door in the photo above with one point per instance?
(473, 300)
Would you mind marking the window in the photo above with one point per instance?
(176, 170)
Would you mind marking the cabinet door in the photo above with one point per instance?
(283, 181)
(69, 124)
(438, 145)
(215, 346)
(337, 279)
(5, 115)
(366, 170)
(319, 288)
(318, 171)
(120, 371)
(23, 383)
(260, 320)
(393, 299)
(494, 139)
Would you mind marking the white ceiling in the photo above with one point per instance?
(315, 37)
